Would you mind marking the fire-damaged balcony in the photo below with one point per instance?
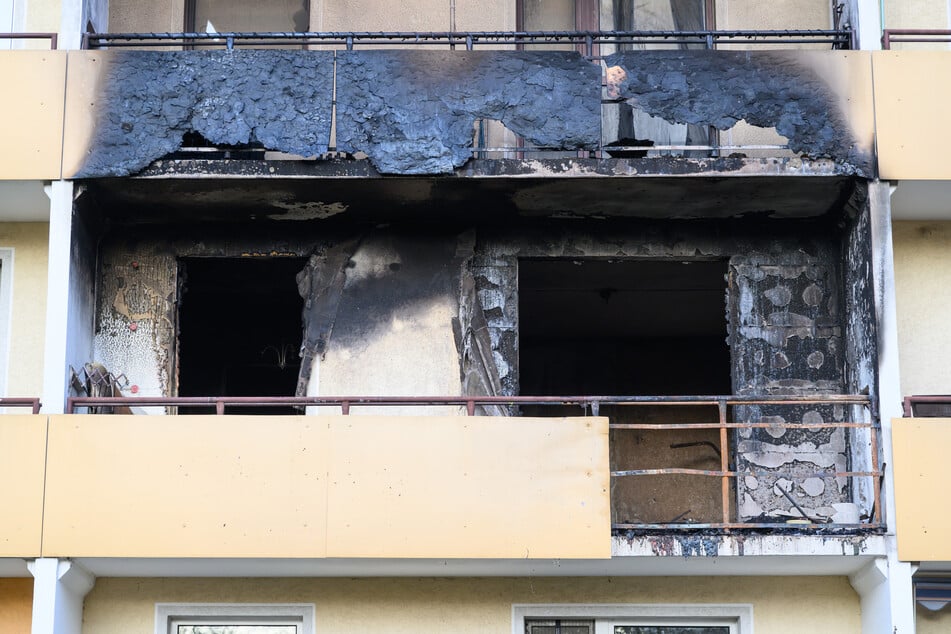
(679, 459)
(435, 112)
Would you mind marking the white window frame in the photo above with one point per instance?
(169, 615)
(6, 315)
(739, 615)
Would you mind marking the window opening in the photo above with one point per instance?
(239, 329)
(633, 619)
(634, 327)
(247, 16)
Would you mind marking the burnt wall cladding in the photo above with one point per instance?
(786, 338)
(412, 112)
(766, 89)
(150, 99)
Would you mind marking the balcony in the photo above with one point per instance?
(920, 444)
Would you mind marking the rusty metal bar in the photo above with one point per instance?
(753, 472)
(32, 403)
(920, 36)
(724, 460)
(876, 481)
(52, 37)
(794, 523)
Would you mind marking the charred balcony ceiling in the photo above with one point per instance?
(286, 192)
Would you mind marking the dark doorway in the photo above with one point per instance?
(634, 328)
(239, 329)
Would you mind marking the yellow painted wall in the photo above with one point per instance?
(31, 114)
(923, 301)
(928, 622)
(30, 241)
(22, 456)
(463, 605)
(254, 486)
(919, 466)
(16, 606)
(916, 14)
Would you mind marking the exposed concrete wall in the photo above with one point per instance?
(16, 605)
(422, 606)
(923, 298)
(29, 242)
(143, 16)
(394, 15)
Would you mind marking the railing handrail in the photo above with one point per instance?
(907, 36)
(33, 403)
(837, 38)
(470, 402)
(52, 37)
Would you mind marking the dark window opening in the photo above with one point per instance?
(626, 328)
(239, 329)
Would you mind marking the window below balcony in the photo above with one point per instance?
(204, 618)
(633, 619)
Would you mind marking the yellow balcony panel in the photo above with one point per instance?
(469, 487)
(923, 518)
(186, 486)
(31, 114)
(22, 460)
(83, 105)
(910, 108)
(334, 486)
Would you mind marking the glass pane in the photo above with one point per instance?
(237, 629)
(669, 629)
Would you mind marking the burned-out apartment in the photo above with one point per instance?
(534, 316)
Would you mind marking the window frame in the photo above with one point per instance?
(737, 615)
(169, 615)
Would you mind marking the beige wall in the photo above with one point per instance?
(16, 606)
(916, 14)
(923, 298)
(461, 605)
(30, 242)
(928, 622)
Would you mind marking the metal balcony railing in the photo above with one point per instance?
(52, 37)
(32, 403)
(864, 450)
(919, 36)
(587, 42)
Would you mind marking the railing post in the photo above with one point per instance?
(724, 461)
(345, 408)
(470, 408)
(219, 407)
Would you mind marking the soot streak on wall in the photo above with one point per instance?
(150, 99)
(412, 112)
(766, 89)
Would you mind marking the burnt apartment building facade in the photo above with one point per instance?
(519, 316)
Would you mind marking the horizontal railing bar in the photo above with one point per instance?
(52, 37)
(473, 38)
(741, 425)
(13, 401)
(734, 474)
(465, 400)
(794, 523)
